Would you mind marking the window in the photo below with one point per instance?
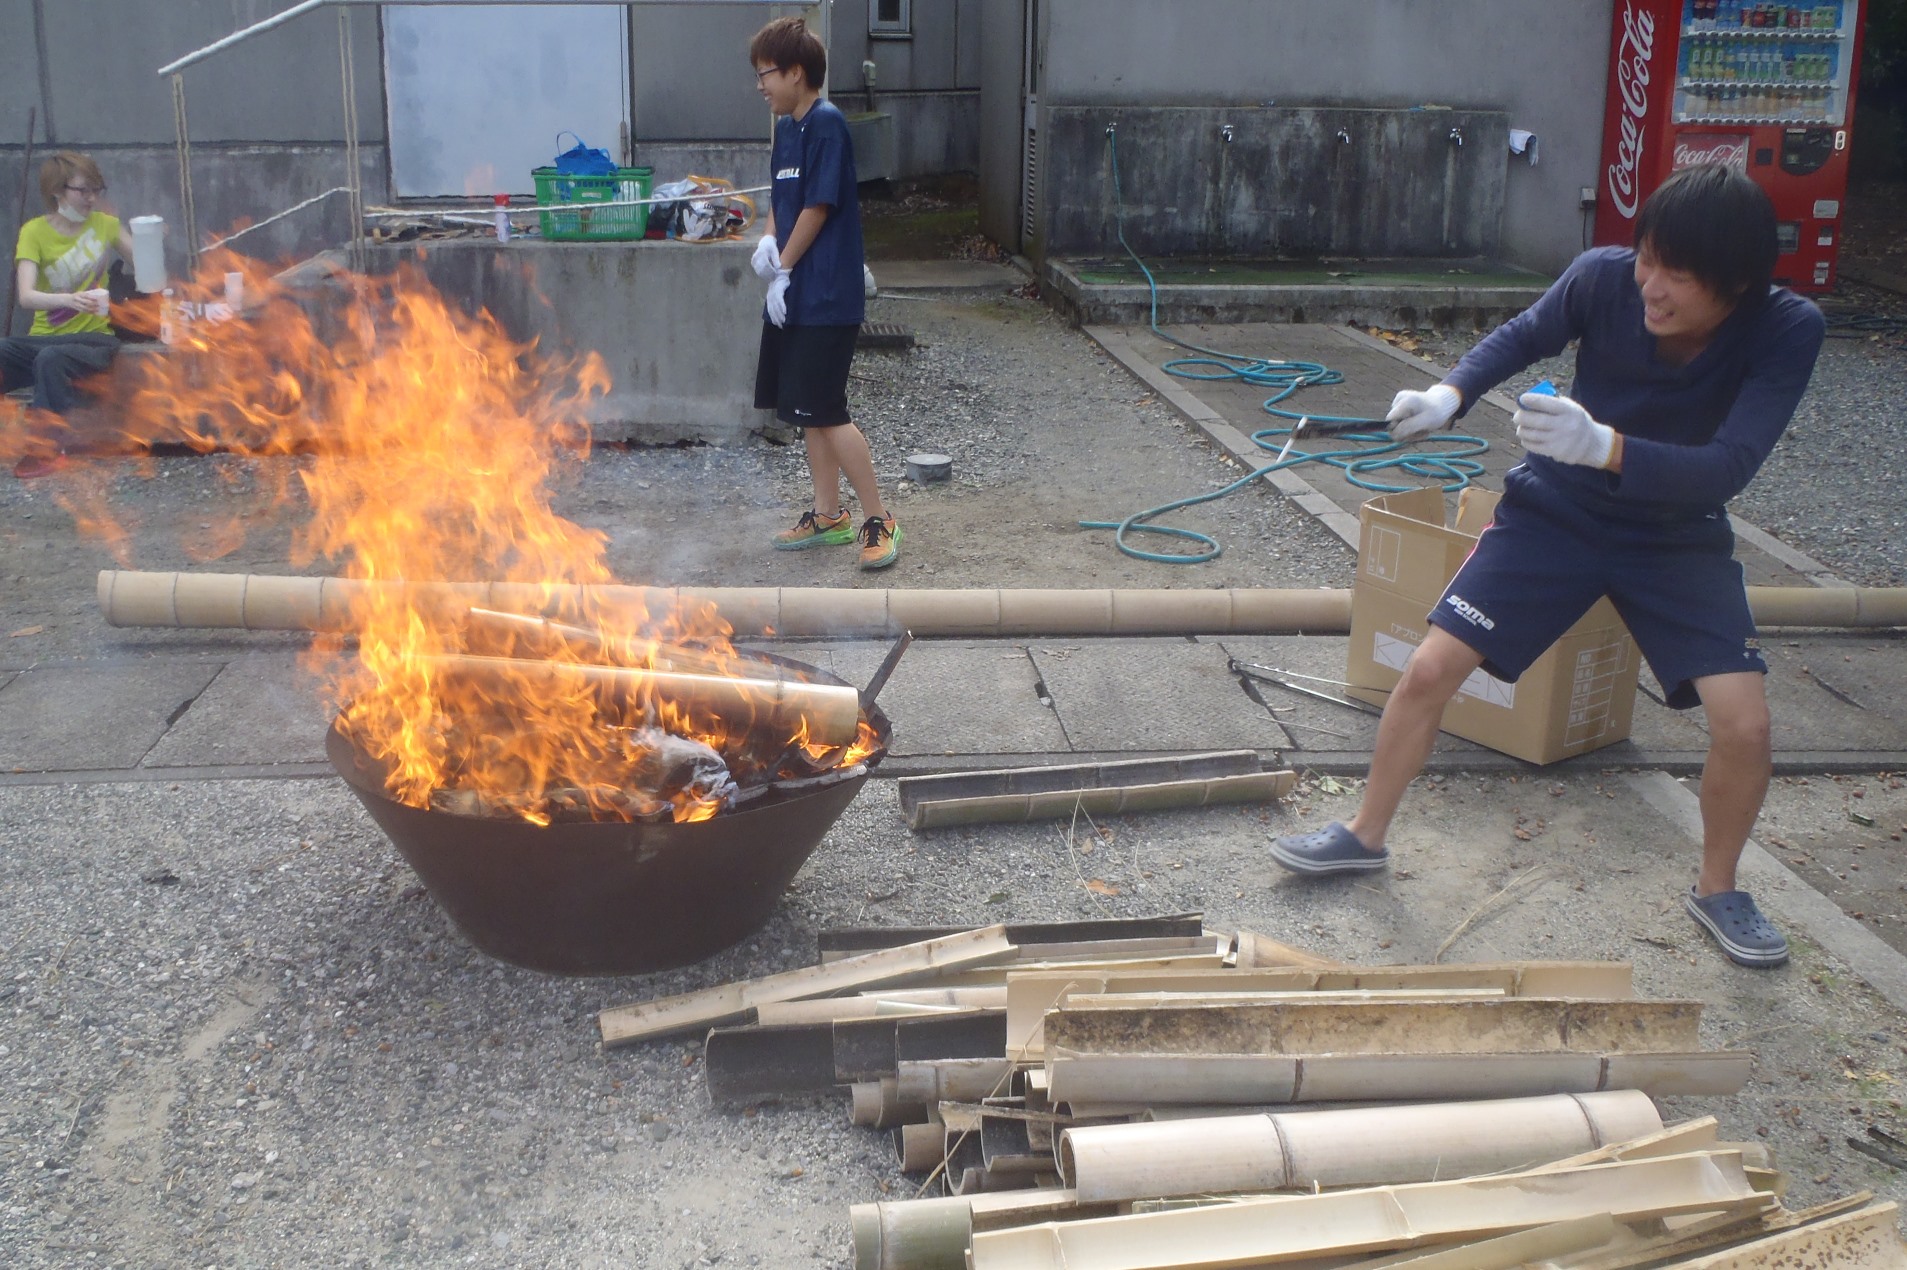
(890, 17)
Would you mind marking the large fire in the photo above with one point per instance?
(425, 442)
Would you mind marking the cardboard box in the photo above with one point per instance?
(1579, 696)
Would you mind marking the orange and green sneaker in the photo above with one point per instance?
(880, 540)
(816, 530)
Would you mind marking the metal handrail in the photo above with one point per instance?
(306, 6)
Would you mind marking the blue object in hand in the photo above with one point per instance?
(1546, 388)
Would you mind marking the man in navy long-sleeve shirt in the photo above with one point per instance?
(1690, 366)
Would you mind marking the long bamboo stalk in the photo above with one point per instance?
(272, 602)
(1284, 1228)
(1867, 1240)
(1356, 1147)
(1114, 800)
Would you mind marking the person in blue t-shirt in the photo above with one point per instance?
(1690, 366)
(811, 259)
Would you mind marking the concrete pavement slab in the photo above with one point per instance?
(959, 698)
(75, 717)
(1151, 695)
(1832, 693)
(261, 709)
(944, 275)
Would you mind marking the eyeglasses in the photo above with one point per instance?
(85, 189)
(762, 74)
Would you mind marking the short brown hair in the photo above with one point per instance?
(788, 42)
(58, 172)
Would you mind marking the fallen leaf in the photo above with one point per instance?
(25, 631)
(998, 897)
(1327, 785)
(1522, 835)
(1101, 888)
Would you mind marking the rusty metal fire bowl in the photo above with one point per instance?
(610, 897)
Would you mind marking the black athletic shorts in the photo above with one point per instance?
(1544, 560)
(803, 373)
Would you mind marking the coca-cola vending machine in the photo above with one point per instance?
(1766, 87)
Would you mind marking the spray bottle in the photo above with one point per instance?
(502, 202)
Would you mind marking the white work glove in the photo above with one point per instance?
(778, 298)
(1418, 414)
(1562, 430)
(766, 261)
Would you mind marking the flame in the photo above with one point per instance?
(425, 441)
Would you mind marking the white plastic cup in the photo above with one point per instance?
(148, 253)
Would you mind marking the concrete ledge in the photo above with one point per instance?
(1120, 304)
(677, 324)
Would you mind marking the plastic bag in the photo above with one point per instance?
(581, 160)
(700, 209)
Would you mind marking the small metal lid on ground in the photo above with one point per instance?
(927, 469)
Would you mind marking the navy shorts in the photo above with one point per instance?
(1545, 560)
(803, 373)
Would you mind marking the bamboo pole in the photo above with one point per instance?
(624, 1025)
(1359, 1147)
(1251, 950)
(830, 713)
(877, 1004)
(932, 1081)
(920, 1147)
(1255, 1079)
(273, 602)
(1113, 800)
(1344, 1222)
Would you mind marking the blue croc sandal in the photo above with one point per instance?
(1745, 935)
(1332, 849)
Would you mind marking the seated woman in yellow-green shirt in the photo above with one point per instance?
(60, 264)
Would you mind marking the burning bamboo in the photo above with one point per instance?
(826, 715)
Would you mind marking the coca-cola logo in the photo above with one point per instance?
(1697, 149)
(1634, 52)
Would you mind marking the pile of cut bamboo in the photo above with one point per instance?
(1143, 1094)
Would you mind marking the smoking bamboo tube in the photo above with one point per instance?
(1370, 1146)
(830, 712)
(1110, 800)
(269, 602)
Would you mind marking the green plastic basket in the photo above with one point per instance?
(593, 224)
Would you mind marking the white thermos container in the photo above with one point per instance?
(148, 253)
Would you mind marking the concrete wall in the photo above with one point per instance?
(677, 326)
(1288, 181)
(1542, 64)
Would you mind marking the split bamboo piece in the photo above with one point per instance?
(1358, 1147)
(1111, 800)
(835, 942)
(1345, 1222)
(1030, 994)
(270, 602)
(1524, 1025)
(1867, 1240)
(830, 714)
(1208, 945)
(623, 1025)
(1102, 1080)
(1692, 1237)
(1537, 1246)
(871, 1005)
(1677, 1139)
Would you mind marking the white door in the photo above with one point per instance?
(476, 94)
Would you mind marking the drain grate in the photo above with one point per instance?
(885, 335)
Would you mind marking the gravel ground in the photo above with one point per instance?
(1827, 488)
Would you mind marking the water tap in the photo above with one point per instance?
(1344, 138)
(1225, 133)
(1456, 135)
